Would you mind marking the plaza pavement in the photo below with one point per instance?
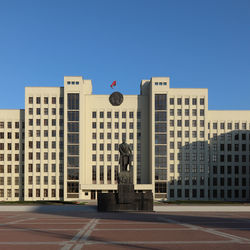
(68, 227)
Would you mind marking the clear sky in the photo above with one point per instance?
(197, 43)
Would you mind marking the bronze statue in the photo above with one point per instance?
(125, 155)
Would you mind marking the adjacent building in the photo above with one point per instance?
(64, 145)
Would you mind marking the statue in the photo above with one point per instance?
(125, 156)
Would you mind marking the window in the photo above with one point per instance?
(186, 101)
(179, 101)
(54, 100)
(171, 101)
(160, 102)
(30, 100)
(186, 112)
(160, 116)
(202, 101)
(46, 100)
(38, 100)
(194, 101)
(30, 122)
(101, 114)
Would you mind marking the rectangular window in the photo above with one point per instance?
(160, 116)
(160, 102)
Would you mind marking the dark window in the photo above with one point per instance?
(72, 187)
(160, 187)
(160, 127)
(73, 101)
(54, 100)
(73, 174)
(160, 102)
(160, 116)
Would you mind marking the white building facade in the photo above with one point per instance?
(64, 145)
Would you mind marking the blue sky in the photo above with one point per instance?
(197, 43)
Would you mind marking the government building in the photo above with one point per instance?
(64, 144)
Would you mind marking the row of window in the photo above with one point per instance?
(45, 100)
(45, 144)
(72, 83)
(109, 146)
(229, 181)
(46, 133)
(109, 125)
(9, 181)
(116, 114)
(228, 136)
(108, 157)
(116, 135)
(8, 169)
(186, 101)
(187, 112)
(46, 111)
(223, 194)
(228, 194)
(160, 83)
(9, 157)
(101, 173)
(9, 125)
(37, 156)
(46, 168)
(37, 180)
(230, 147)
(230, 158)
(45, 193)
(45, 122)
(9, 146)
(9, 135)
(229, 169)
(229, 125)
(186, 134)
(9, 193)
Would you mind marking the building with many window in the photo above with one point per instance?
(64, 145)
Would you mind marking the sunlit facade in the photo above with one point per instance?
(64, 145)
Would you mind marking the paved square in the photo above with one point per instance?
(72, 230)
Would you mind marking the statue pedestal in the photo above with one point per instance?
(126, 199)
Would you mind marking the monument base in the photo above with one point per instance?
(126, 199)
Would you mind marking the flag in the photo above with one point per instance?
(113, 84)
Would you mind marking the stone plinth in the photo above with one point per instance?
(126, 199)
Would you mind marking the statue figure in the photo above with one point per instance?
(125, 155)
